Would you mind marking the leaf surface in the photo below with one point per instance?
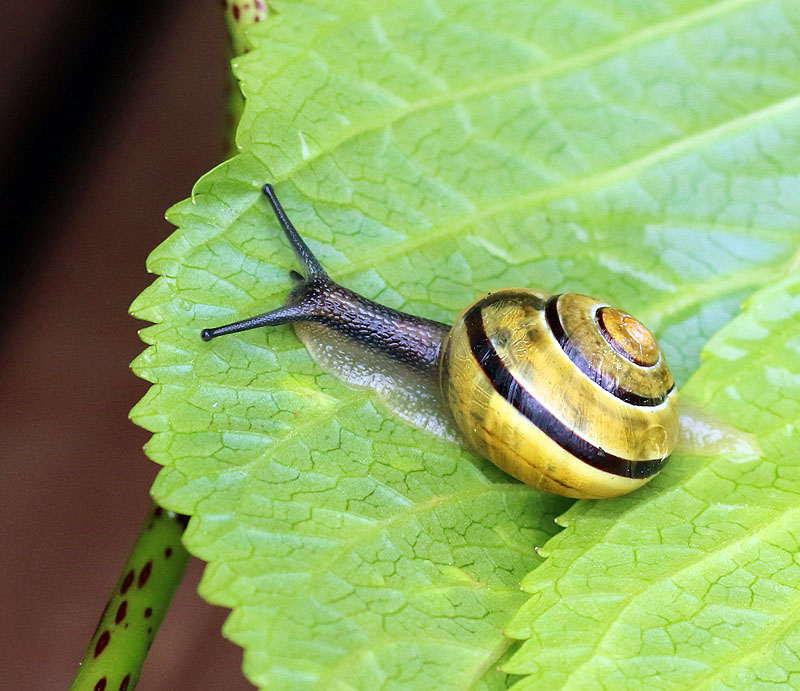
(429, 152)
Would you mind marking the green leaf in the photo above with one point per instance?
(694, 582)
(645, 153)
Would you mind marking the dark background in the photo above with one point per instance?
(107, 117)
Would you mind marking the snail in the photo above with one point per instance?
(564, 392)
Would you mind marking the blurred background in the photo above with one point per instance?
(107, 117)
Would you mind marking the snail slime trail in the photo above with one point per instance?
(564, 392)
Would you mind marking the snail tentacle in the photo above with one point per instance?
(304, 254)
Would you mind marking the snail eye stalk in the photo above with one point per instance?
(293, 310)
(301, 250)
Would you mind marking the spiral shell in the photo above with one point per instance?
(563, 392)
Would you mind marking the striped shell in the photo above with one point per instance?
(564, 393)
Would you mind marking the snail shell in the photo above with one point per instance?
(563, 392)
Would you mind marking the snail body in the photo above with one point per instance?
(563, 392)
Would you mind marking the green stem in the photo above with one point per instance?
(119, 646)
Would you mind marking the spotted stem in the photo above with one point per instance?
(128, 625)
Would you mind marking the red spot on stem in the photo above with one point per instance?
(124, 685)
(122, 610)
(127, 582)
(144, 576)
(148, 613)
(102, 642)
(168, 552)
(100, 685)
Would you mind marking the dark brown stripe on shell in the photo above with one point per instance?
(521, 399)
(579, 360)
